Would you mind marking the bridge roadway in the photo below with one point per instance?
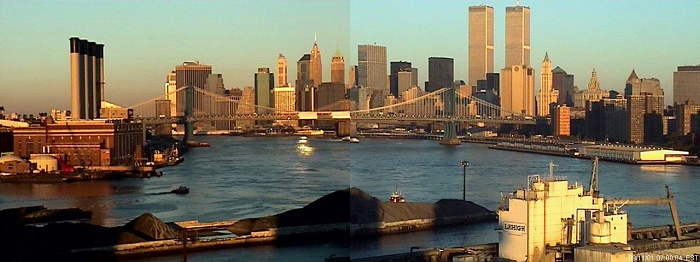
(339, 116)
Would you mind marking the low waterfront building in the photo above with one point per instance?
(83, 143)
(633, 154)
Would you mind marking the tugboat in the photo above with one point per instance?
(397, 197)
(182, 190)
(354, 140)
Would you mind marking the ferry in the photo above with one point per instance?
(346, 139)
(303, 140)
(354, 140)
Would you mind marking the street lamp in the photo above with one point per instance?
(465, 164)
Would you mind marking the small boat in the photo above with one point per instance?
(346, 139)
(354, 140)
(182, 190)
(397, 197)
(303, 140)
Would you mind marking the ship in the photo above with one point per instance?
(397, 197)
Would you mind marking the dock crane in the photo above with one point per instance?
(616, 204)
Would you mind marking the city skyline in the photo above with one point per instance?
(144, 43)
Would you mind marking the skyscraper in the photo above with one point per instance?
(338, 67)
(517, 90)
(352, 77)
(371, 69)
(315, 70)
(194, 74)
(170, 92)
(593, 93)
(440, 73)
(264, 84)
(282, 71)
(405, 78)
(564, 83)
(87, 78)
(395, 68)
(645, 105)
(517, 35)
(686, 85)
(547, 94)
(480, 42)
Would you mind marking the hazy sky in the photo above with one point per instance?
(145, 40)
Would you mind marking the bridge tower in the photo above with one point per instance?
(189, 102)
(450, 135)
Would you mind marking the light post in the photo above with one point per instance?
(465, 164)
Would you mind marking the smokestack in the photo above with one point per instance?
(100, 73)
(90, 87)
(75, 76)
(84, 78)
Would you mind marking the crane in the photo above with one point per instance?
(669, 200)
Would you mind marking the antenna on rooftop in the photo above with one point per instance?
(517, 2)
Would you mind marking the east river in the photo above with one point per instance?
(240, 177)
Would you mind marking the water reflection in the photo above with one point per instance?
(303, 149)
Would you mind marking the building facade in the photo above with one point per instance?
(264, 84)
(561, 121)
(517, 91)
(371, 68)
(83, 143)
(517, 35)
(686, 85)
(684, 116)
(645, 105)
(394, 69)
(316, 68)
(564, 84)
(192, 74)
(547, 94)
(440, 73)
(593, 93)
(338, 67)
(480, 42)
(282, 78)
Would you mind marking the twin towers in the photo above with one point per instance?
(516, 90)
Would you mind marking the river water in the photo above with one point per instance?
(240, 177)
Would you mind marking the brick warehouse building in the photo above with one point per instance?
(83, 143)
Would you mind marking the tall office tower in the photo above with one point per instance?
(192, 74)
(329, 93)
(395, 67)
(405, 78)
(371, 69)
(264, 84)
(645, 105)
(684, 115)
(338, 67)
(214, 85)
(480, 42)
(285, 101)
(547, 94)
(561, 121)
(414, 76)
(352, 77)
(686, 85)
(593, 93)
(171, 92)
(87, 78)
(564, 83)
(304, 68)
(517, 35)
(517, 90)
(315, 70)
(441, 73)
(246, 107)
(282, 71)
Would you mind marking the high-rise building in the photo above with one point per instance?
(405, 78)
(264, 84)
(607, 120)
(684, 113)
(352, 77)
(329, 93)
(246, 107)
(414, 76)
(593, 93)
(87, 78)
(316, 70)
(480, 42)
(304, 68)
(192, 74)
(338, 67)
(371, 69)
(645, 105)
(440, 73)
(171, 92)
(282, 71)
(547, 94)
(564, 83)
(686, 85)
(517, 35)
(395, 67)
(285, 101)
(517, 90)
(561, 121)
(214, 86)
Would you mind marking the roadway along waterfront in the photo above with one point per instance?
(240, 177)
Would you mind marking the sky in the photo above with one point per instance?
(145, 40)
